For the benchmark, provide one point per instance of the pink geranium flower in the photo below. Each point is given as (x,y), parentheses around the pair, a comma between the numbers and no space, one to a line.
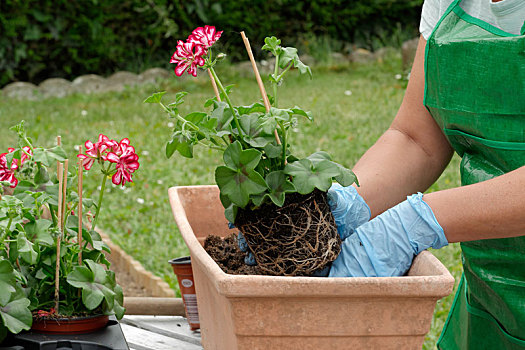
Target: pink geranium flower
(205,36)
(97,150)
(188,56)
(7,173)
(126,161)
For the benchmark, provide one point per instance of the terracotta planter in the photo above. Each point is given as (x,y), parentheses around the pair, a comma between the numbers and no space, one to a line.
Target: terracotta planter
(183,270)
(267,312)
(78,325)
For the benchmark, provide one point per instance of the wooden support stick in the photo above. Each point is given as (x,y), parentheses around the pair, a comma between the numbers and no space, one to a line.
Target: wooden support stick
(60,173)
(214,84)
(259,81)
(59,143)
(256,71)
(79,210)
(64,193)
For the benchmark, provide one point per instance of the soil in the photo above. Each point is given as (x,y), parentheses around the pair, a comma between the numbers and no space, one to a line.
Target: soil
(228,256)
(298,239)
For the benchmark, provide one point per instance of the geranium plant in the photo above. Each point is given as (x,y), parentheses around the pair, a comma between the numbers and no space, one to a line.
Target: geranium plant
(52,264)
(260,168)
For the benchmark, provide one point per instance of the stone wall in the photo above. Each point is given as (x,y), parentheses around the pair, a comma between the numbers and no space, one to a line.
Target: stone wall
(85,84)
(91,83)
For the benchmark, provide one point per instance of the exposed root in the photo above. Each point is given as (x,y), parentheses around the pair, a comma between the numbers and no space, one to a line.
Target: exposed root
(294,240)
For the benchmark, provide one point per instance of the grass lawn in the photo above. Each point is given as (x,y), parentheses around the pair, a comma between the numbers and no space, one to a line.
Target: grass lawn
(352,106)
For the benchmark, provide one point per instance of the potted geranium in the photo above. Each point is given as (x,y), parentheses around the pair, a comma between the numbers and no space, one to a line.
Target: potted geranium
(260,179)
(274,197)
(53,270)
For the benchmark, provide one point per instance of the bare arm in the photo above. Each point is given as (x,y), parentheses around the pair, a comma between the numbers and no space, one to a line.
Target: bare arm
(412,154)
(489,209)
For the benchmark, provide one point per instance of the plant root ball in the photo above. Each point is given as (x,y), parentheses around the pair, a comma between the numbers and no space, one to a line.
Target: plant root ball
(296,239)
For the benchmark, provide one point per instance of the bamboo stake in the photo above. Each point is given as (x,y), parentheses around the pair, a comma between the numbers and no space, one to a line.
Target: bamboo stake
(80,189)
(59,143)
(60,173)
(64,193)
(214,84)
(256,71)
(259,81)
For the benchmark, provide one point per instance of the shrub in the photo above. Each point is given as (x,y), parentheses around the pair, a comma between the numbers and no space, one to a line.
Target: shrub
(60,38)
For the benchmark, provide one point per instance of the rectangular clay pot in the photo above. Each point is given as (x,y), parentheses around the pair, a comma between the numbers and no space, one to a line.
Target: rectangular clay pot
(268,312)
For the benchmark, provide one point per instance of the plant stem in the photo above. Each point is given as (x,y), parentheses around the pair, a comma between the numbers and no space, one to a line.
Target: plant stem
(9,224)
(219,84)
(211,146)
(102,190)
(53,216)
(281,76)
(274,84)
(281,126)
(182,120)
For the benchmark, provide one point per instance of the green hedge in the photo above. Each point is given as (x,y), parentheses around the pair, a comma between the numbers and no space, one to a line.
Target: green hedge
(62,38)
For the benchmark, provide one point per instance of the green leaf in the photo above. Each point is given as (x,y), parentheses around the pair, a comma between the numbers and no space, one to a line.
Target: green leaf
(346,176)
(273,151)
(155,98)
(230,209)
(7,281)
(281,114)
(279,185)
(178,101)
(238,185)
(48,156)
(179,143)
(230,213)
(16,315)
(299,111)
(272,44)
(93,238)
(41,176)
(39,229)
(288,55)
(257,107)
(26,249)
(238,159)
(223,115)
(319,156)
(195,117)
(94,283)
(253,131)
(307,177)
(268,123)
(118,302)
(303,68)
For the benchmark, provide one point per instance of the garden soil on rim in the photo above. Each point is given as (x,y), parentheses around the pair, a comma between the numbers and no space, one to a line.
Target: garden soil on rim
(298,239)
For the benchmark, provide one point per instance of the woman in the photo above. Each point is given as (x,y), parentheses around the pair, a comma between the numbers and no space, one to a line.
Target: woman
(466,94)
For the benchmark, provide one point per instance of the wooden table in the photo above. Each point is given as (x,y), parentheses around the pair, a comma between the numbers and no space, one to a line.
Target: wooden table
(159,333)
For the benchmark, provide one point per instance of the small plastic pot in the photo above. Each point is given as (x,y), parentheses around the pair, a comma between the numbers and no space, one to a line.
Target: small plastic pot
(77,325)
(182,268)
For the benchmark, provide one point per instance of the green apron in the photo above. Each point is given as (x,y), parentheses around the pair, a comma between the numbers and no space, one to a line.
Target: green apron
(475,90)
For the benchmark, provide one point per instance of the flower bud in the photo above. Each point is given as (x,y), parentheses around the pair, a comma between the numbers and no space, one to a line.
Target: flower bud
(221,56)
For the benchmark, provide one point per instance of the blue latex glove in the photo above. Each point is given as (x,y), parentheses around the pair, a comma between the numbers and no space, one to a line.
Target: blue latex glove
(348,208)
(386,245)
